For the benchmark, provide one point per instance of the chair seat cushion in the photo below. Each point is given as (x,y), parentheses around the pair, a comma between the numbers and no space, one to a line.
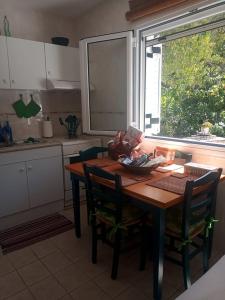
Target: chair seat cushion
(130,214)
(174,223)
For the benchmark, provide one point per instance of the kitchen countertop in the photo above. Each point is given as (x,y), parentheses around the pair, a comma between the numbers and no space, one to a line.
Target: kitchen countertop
(46,142)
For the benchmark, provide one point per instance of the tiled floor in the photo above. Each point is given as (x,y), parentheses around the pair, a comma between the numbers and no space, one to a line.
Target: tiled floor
(60,268)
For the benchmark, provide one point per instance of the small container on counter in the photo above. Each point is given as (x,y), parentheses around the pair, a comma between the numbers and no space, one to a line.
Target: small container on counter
(47,130)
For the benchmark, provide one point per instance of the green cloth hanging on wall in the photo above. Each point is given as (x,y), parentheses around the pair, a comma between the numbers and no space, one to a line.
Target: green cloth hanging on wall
(32,108)
(26,111)
(20,108)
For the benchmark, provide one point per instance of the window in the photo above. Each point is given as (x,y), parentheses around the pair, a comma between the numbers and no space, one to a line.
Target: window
(182,80)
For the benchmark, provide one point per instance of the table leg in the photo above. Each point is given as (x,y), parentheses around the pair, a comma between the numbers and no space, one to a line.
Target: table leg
(76,204)
(158,255)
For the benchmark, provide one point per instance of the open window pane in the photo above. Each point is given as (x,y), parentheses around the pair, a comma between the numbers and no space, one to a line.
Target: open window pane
(106,83)
(184,82)
(107,93)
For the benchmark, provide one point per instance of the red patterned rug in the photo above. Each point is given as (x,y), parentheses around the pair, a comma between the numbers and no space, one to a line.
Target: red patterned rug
(34,231)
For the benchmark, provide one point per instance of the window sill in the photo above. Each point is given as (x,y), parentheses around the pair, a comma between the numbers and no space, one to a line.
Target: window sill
(189,143)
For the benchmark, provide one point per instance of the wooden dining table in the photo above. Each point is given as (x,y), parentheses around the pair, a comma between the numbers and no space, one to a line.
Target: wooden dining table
(140,190)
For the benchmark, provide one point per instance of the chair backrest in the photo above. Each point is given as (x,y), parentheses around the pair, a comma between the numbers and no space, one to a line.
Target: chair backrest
(200,200)
(109,200)
(91,153)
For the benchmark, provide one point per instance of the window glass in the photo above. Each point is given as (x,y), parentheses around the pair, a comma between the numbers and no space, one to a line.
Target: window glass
(184,76)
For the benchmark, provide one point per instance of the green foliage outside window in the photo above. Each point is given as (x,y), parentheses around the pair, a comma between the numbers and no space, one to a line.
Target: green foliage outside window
(193,84)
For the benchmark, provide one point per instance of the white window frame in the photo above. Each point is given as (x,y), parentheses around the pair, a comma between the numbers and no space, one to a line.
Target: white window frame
(145,31)
(85,79)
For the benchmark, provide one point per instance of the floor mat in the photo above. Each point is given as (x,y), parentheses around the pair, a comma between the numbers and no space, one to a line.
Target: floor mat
(34,231)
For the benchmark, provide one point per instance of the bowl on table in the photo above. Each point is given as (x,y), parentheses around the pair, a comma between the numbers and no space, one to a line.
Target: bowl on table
(144,167)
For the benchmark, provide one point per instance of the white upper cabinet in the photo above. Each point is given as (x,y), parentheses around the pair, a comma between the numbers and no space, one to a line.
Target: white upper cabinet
(62,63)
(4,67)
(26,64)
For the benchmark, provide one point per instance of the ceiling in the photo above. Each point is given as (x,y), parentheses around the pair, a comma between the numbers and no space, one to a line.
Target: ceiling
(66,8)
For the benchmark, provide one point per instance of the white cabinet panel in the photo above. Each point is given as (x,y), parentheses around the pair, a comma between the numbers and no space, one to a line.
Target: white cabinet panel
(45,180)
(26,64)
(13,189)
(4,66)
(62,63)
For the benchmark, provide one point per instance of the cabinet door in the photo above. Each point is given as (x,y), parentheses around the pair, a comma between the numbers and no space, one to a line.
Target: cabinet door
(62,63)
(13,189)
(4,66)
(45,180)
(26,64)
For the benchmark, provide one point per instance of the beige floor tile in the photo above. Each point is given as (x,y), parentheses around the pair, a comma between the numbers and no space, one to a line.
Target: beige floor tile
(5,266)
(143,282)
(43,248)
(10,285)
(176,294)
(22,257)
(47,289)
(109,286)
(88,291)
(72,277)
(68,213)
(65,240)
(91,269)
(66,297)
(132,294)
(173,274)
(33,273)
(24,295)
(56,261)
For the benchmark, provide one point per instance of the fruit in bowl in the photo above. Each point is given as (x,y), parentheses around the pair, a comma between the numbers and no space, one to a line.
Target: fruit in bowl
(142,165)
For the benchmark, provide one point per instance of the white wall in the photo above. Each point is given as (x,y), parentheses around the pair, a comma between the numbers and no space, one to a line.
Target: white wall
(37,26)
(109,17)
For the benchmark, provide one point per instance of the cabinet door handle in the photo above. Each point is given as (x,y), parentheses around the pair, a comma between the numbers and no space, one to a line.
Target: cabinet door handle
(21,170)
(49,72)
(4,81)
(13,81)
(29,168)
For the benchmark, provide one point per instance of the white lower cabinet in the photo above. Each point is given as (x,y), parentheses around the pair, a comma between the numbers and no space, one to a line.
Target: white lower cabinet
(13,189)
(45,180)
(29,179)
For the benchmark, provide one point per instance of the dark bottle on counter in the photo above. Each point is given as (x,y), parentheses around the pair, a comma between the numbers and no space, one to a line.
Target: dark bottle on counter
(7,134)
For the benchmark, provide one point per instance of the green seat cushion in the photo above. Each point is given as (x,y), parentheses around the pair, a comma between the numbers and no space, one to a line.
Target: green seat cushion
(130,214)
(174,223)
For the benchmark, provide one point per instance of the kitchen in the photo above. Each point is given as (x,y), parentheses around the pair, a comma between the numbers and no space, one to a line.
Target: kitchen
(38,23)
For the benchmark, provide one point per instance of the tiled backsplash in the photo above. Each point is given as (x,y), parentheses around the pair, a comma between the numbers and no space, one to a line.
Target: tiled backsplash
(54,104)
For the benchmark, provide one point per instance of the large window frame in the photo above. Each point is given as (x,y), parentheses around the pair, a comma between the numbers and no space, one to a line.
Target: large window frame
(145,31)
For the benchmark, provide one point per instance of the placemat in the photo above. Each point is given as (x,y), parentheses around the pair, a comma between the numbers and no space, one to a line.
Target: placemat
(127,177)
(172,183)
(105,162)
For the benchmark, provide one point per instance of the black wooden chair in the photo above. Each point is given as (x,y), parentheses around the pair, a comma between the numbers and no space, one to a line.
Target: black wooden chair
(189,227)
(111,214)
(90,153)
